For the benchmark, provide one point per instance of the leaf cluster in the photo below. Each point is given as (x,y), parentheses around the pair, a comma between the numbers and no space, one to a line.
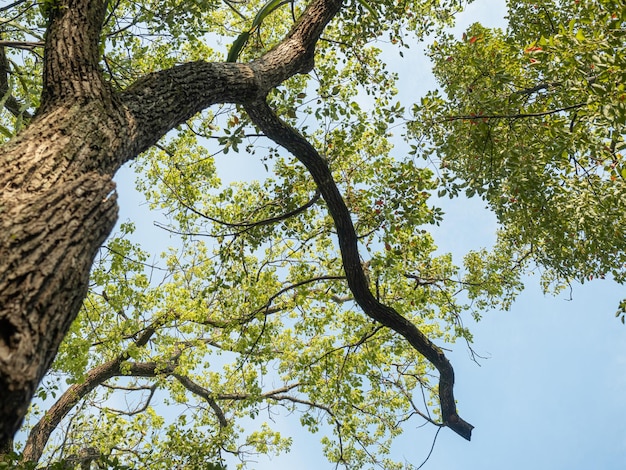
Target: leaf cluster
(532,120)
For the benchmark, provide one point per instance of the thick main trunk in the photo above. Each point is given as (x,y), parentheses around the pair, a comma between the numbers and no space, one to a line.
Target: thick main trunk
(57,206)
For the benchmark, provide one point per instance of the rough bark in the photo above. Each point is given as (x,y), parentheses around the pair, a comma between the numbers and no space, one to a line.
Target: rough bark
(57,205)
(53,219)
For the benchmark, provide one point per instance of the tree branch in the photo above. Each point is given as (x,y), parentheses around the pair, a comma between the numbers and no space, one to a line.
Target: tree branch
(162,100)
(10,103)
(40,433)
(243,224)
(474,117)
(11,5)
(536,88)
(204,393)
(26,45)
(264,118)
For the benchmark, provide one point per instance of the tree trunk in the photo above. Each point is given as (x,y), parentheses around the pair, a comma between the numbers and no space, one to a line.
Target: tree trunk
(57,206)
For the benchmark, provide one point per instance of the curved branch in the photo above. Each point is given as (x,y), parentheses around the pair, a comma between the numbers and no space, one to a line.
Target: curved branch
(140,409)
(26,45)
(474,117)
(11,5)
(204,393)
(246,224)
(264,118)
(10,102)
(295,286)
(40,433)
(269,220)
(269,394)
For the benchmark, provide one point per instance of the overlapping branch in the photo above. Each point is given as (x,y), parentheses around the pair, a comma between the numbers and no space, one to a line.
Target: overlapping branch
(40,433)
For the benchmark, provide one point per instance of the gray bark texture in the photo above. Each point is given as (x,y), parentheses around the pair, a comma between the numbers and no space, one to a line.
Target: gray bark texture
(58,202)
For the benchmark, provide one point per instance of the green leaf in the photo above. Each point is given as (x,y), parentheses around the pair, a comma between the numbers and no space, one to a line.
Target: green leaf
(268,8)
(580,35)
(369,8)
(238,45)
(242,39)
(5,131)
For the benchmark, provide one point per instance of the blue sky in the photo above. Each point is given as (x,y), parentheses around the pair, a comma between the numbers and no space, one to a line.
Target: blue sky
(550,394)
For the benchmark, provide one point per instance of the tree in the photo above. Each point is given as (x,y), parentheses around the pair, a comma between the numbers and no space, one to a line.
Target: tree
(96,109)
(256,282)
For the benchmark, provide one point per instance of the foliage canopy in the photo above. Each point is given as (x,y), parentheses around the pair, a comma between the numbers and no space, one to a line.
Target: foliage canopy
(181,361)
